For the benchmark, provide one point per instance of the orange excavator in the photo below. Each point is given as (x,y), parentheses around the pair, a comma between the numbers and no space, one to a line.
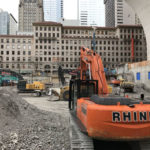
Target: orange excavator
(100,115)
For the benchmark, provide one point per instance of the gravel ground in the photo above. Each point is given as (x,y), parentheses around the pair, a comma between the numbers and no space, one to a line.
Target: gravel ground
(33,123)
(25,127)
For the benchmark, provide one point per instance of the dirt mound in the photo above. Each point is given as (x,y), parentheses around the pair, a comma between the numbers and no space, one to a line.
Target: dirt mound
(24,127)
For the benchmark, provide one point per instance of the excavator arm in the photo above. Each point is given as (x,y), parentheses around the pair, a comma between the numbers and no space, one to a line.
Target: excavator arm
(91,67)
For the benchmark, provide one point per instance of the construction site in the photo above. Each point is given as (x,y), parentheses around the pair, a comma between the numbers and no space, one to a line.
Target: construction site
(76,86)
(83,109)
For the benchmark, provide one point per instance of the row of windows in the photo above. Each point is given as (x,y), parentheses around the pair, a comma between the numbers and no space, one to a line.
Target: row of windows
(78,48)
(15,53)
(131,30)
(13,46)
(51,59)
(47,28)
(15,66)
(47,35)
(89,32)
(17,59)
(15,41)
(90,42)
(118,60)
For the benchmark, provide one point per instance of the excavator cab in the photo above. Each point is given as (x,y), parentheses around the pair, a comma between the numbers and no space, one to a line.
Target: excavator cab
(81,88)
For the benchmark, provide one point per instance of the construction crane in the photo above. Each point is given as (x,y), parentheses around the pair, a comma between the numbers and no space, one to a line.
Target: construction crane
(97,115)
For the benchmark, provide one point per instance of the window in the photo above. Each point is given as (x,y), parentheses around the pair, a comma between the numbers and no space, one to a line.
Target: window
(7,65)
(24,41)
(18,46)
(138,76)
(18,58)
(29,52)
(148,75)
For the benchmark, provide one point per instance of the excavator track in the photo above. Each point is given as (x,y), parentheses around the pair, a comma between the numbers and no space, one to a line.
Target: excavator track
(78,139)
(144,145)
(81,141)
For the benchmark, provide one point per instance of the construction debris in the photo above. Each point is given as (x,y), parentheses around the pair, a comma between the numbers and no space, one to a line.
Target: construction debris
(24,127)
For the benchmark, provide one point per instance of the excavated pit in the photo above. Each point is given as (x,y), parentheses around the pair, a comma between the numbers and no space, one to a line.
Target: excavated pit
(24,127)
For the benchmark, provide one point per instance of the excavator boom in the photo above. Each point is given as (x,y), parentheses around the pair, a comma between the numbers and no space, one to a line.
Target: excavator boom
(91,67)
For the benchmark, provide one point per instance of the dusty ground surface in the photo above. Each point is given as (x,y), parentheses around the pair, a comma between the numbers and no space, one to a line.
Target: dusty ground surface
(25,127)
(48,104)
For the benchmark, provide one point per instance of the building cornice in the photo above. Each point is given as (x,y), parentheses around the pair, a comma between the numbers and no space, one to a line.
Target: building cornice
(47,23)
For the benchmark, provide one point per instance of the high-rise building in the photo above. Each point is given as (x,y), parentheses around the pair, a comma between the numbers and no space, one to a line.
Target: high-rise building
(30,11)
(53,10)
(109,13)
(118,12)
(13,28)
(4,23)
(8,24)
(91,12)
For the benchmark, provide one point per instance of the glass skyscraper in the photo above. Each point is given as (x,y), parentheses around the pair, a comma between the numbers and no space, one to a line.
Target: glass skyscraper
(4,23)
(8,24)
(91,12)
(53,10)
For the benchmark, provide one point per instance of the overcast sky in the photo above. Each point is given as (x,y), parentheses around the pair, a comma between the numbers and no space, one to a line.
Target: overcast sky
(70,11)
(12,7)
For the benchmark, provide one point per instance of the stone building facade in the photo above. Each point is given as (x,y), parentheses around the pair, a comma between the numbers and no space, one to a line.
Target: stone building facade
(16,53)
(30,11)
(54,44)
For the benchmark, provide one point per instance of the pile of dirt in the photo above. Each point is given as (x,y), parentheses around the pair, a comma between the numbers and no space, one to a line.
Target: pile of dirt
(24,127)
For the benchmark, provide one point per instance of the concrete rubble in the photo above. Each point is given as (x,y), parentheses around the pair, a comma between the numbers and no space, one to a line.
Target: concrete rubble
(24,127)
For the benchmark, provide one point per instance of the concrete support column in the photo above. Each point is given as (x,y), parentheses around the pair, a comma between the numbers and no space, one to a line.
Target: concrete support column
(142,8)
